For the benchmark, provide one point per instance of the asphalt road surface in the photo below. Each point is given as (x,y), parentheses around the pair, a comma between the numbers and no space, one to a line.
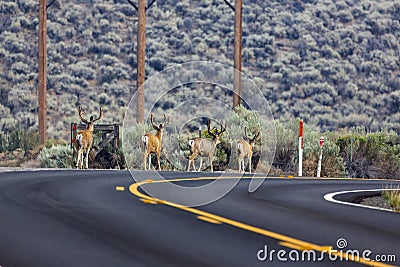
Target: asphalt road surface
(100,218)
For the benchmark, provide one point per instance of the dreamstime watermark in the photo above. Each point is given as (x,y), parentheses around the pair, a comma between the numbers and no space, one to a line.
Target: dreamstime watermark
(329,254)
(188,94)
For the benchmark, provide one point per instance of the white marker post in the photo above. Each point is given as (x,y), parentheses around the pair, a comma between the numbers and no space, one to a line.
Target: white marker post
(301,146)
(321,144)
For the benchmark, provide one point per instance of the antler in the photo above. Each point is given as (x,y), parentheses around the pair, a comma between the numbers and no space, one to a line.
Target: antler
(81,112)
(245,137)
(208,129)
(152,122)
(255,136)
(223,128)
(166,120)
(100,116)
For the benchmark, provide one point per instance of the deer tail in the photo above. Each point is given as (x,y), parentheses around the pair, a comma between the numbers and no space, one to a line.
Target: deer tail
(239,147)
(191,143)
(145,141)
(78,139)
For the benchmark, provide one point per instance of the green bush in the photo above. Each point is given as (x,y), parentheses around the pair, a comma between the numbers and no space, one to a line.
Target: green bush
(132,140)
(331,165)
(372,155)
(8,7)
(286,157)
(59,156)
(286,154)
(17,137)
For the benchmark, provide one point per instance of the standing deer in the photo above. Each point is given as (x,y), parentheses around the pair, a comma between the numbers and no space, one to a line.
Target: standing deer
(152,143)
(84,138)
(204,146)
(245,150)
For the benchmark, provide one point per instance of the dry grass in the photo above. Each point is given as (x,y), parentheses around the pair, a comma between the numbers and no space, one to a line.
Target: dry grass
(392,196)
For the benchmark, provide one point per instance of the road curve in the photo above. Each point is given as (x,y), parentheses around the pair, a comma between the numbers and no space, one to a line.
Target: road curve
(101,218)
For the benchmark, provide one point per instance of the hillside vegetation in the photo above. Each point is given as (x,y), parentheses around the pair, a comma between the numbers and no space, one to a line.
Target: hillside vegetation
(333,63)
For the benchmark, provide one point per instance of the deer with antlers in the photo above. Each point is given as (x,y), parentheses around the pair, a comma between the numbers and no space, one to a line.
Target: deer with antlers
(152,143)
(245,150)
(205,146)
(84,138)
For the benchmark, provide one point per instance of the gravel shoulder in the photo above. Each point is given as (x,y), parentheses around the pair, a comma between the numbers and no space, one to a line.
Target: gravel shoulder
(376,201)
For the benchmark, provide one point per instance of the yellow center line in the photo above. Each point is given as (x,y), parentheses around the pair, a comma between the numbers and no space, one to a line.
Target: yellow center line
(207,219)
(149,201)
(120,188)
(284,239)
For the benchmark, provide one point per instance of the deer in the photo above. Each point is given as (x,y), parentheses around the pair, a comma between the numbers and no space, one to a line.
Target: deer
(245,150)
(204,146)
(153,143)
(84,138)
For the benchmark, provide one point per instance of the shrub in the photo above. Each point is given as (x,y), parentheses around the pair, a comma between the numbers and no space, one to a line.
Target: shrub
(373,155)
(83,70)
(8,7)
(27,5)
(20,68)
(132,144)
(59,156)
(17,137)
(392,195)
(286,147)
(286,155)
(175,152)
(332,164)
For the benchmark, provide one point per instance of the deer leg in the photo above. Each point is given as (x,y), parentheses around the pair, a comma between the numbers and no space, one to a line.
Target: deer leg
(243,169)
(201,164)
(87,158)
(144,160)
(158,159)
(78,159)
(249,165)
(211,162)
(239,165)
(190,163)
(82,158)
(150,163)
(191,160)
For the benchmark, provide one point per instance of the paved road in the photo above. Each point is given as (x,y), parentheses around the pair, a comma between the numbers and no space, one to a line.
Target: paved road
(83,218)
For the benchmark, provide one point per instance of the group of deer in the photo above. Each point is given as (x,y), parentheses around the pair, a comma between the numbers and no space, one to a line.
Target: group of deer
(203,147)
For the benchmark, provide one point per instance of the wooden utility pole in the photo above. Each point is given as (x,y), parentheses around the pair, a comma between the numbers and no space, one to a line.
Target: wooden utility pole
(141,50)
(237,64)
(42,71)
